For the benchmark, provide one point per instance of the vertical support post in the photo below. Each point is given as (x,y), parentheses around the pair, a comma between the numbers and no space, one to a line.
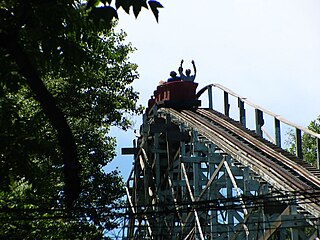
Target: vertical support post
(318,227)
(226,104)
(183,187)
(155,110)
(298,144)
(293,211)
(212,159)
(135,189)
(157,159)
(318,153)
(196,167)
(196,184)
(157,177)
(277,132)
(242,112)
(259,121)
(228,205)
(210,97)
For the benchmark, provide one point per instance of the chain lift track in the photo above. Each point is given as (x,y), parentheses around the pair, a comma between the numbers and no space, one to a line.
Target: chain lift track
(198,174)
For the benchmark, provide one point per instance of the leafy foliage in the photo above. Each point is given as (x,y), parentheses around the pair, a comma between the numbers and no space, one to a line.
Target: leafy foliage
(126,5)
(36,38)
(64,81)
(309,144)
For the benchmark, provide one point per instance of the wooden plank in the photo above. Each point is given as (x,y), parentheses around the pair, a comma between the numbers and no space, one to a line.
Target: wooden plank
(129,151)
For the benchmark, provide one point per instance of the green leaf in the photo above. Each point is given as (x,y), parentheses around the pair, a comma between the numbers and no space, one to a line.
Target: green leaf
(105,13)
(136,9)
(137,5)
(106,1)
(154,5)
(92,3)
(125,4)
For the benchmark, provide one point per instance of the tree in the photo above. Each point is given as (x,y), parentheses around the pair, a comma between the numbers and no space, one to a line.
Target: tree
(102,9)
(64,81)
(36,38)
(309,144)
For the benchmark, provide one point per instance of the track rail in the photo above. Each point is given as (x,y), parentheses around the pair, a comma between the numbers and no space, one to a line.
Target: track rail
(282,170)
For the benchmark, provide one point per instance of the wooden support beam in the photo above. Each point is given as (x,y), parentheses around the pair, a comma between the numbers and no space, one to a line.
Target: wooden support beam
(234,183)
(242,112)
(275,225)
(210,97)
(213,176)
(259,121)
(277,132)
(129,151)
(193,200)
(226,104)
(298,144)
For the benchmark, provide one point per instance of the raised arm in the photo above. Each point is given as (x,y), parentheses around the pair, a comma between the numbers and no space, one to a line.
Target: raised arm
(194,67)
(180,68)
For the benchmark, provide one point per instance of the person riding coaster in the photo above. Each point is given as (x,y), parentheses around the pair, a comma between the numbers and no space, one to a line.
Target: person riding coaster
(188,77)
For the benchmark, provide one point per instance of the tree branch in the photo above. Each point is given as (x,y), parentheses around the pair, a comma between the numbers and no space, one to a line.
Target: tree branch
(53,112)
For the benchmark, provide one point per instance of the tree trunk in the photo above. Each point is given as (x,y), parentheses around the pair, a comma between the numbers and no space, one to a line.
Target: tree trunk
(55,115)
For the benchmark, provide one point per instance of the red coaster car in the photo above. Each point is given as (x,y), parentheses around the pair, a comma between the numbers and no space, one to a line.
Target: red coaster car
(177,95)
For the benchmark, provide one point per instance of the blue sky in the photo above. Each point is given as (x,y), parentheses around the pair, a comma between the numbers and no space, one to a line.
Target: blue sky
(265,50)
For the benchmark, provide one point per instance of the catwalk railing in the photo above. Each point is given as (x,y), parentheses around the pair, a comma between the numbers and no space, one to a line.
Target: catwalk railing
(259,118)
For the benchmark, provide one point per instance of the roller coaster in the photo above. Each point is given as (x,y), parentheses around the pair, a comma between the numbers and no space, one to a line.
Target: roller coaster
(200,174)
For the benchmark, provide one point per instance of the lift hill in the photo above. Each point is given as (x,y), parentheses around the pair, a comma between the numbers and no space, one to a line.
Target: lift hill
(199,174)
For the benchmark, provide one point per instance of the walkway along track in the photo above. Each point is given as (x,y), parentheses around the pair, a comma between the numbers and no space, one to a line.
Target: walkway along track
(279,168)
